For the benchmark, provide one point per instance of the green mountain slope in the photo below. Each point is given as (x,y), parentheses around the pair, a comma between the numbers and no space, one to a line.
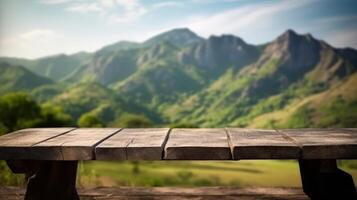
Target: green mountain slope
(17,78)
(179,77)
(292,66)
(58,67)
(167,73)
(88,97)
(336,107)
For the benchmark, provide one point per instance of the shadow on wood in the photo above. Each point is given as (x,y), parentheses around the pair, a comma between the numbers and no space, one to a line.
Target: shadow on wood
(322,179)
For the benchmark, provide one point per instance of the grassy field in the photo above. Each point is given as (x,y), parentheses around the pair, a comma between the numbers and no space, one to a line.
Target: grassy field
(260,173)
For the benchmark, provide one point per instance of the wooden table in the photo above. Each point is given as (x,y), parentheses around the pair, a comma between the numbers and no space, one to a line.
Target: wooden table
(49,156)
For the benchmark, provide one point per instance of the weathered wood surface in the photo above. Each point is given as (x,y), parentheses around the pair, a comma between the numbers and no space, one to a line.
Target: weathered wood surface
(261,144)
(198,144)
(325,143)
(16,145)
(179,144)
(175,193)
(74,145)
(134,144)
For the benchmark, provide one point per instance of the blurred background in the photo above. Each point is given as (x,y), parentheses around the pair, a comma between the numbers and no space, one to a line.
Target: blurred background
(189,63)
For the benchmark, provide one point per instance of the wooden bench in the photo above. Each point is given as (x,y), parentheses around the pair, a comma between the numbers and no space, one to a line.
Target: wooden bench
(49,156)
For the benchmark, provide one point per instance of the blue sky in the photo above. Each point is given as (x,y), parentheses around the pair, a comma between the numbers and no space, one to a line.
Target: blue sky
(35,28)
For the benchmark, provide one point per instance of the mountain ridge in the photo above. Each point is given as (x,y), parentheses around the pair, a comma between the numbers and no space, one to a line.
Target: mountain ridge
(218,81)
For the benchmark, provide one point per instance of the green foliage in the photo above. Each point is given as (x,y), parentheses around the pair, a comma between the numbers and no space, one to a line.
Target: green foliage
(301,118)
(46,92)
(136,169)
(157,84)
(268,68)
(183,125)
(53,117)
(338,113)
(184,176)
(89,120)
(132,121)
(86,97)
(18,110)
(8,178)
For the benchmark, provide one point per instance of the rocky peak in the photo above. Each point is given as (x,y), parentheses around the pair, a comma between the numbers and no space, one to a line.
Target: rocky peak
(179,37)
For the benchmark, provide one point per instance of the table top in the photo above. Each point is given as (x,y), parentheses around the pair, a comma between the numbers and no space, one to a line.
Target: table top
(177,144)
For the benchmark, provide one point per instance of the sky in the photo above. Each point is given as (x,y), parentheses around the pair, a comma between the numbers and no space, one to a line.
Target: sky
(37,28)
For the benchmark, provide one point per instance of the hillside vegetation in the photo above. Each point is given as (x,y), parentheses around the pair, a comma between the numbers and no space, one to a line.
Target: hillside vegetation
(177,77)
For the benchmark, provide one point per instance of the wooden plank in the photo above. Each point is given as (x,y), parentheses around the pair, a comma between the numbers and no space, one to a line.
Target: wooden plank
(198,144)
(261,144)
(75,145)
(134,144)
(16,145)
(325,143)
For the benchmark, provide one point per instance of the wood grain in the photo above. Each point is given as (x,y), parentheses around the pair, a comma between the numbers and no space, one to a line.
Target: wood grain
(182,144)
(17,145)
(325,143)
(261,144)
(75,145)
(134,144)
(198,144)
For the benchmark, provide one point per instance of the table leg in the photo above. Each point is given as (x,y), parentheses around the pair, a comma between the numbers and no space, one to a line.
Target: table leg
(55,180)
(321,179)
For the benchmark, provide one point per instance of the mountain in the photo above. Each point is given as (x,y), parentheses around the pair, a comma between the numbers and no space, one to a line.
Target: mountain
(179,37)
(57,67)
(17,78)
(107,68)
(217,53)
(168,72)
(291,67)
(295,80)
(121,45)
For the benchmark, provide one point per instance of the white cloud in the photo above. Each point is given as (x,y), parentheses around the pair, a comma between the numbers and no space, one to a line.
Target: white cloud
(343,38)
(250,17)
(212,1)
(167,4)
(115,11)
(108,3)
(132,10)
(86,8)
(42,34)
(339,31)
(55,1)
(28,43)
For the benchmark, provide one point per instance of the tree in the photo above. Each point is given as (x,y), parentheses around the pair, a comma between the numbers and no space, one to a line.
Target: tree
(18,110)
(89,120)
(135,121)
(53,117)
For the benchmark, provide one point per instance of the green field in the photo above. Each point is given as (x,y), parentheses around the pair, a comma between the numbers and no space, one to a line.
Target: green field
(247,173)
(267,173)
